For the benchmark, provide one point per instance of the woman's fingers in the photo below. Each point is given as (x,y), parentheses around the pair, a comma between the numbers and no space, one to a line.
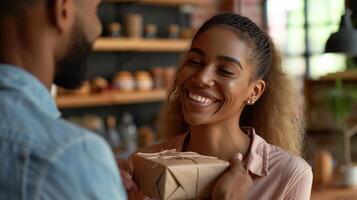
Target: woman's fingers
(125,174)
(236,162)
(128,182)
(235,183)
(137,195)
(123,164)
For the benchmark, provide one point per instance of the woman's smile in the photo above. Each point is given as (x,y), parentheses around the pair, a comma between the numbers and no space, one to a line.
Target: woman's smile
(198,99)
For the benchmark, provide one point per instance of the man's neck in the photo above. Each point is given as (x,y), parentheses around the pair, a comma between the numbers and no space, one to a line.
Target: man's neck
(25,47)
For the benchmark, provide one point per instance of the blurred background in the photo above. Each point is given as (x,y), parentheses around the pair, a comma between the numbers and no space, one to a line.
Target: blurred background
(143,40)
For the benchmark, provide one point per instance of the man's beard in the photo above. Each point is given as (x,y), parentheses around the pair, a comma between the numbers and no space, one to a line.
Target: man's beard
(71,69)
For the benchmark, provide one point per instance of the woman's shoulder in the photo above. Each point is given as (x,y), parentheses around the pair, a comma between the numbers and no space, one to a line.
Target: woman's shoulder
(276,158)
(292,170)
(292,164)
(288,157)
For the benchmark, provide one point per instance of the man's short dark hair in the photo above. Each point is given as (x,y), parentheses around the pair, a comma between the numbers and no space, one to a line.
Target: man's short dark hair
(16,7)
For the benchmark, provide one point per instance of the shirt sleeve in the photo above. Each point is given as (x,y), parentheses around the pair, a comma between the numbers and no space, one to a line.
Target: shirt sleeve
(301,189)
(84,170)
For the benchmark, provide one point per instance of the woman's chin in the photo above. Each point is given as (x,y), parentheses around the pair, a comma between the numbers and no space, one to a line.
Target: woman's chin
(195,120)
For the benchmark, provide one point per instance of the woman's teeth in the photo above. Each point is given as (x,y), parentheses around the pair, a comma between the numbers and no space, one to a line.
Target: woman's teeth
(200,99)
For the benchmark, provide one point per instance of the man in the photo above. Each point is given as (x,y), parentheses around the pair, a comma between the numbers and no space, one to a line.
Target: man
(43,156)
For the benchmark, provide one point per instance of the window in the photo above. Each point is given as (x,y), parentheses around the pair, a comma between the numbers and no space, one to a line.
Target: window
(286,23)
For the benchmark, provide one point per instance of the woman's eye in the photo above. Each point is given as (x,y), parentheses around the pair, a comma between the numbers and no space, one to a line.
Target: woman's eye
(194,62)
(225,72)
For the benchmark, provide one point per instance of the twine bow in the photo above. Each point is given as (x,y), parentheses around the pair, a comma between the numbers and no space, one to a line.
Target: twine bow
(173,154)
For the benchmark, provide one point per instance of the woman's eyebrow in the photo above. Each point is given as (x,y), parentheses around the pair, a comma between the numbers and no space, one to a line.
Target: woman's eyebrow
(197,50)
(230,59)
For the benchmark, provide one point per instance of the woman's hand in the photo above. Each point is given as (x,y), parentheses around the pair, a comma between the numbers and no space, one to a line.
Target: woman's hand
(131,188)
(234,184)
(126,175)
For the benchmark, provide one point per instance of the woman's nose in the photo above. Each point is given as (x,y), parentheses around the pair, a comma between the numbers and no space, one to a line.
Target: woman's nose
(204,77)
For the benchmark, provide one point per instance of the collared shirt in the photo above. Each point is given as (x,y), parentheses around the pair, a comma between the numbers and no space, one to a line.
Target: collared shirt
(43,156)
(277,174)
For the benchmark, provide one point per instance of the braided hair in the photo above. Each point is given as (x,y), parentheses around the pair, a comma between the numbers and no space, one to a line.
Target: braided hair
(276,115)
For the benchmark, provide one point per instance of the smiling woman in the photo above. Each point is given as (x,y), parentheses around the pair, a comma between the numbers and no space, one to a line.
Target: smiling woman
(230,96)
(243,58)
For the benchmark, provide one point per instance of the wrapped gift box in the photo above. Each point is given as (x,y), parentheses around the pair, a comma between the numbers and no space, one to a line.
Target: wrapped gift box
(177,175)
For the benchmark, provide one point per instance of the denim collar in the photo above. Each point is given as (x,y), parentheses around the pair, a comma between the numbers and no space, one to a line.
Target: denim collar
(16,78)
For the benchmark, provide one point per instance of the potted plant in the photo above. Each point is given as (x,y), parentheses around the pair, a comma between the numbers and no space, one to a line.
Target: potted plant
(341,99)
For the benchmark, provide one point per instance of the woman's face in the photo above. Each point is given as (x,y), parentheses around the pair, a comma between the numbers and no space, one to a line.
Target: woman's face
(215,78)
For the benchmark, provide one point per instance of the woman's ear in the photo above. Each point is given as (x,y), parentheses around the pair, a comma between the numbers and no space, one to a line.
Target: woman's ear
(256,91)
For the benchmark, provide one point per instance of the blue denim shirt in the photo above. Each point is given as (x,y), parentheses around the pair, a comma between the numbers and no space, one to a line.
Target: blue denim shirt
(43,156)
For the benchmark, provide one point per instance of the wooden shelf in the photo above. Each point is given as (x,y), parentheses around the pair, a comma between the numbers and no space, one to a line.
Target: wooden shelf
(141,45)
(348,75)
(110,98)
(334,193)
(167,2)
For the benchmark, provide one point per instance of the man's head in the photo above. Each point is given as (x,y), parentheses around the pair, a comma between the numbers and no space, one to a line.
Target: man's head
(16,7)
(72,25)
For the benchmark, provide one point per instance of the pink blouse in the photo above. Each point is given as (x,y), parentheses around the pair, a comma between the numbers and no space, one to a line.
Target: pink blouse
(278,174)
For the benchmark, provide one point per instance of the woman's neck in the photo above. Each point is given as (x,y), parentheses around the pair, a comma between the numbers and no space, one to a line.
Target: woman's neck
(219,141)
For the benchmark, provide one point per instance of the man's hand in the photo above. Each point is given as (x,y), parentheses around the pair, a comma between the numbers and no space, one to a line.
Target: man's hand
(234,184)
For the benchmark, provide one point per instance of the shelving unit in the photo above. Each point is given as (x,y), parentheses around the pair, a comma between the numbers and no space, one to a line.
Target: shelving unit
(318,101)
(112,55)
(349,75)
(331,193)
(141,45)
(167,2)
(110,98)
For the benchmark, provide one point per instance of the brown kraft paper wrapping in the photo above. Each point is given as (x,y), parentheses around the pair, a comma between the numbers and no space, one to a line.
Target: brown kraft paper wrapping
(177,175)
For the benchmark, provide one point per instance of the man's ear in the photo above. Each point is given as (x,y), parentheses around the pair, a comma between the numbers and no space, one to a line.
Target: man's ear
(256,91)
(62,14)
